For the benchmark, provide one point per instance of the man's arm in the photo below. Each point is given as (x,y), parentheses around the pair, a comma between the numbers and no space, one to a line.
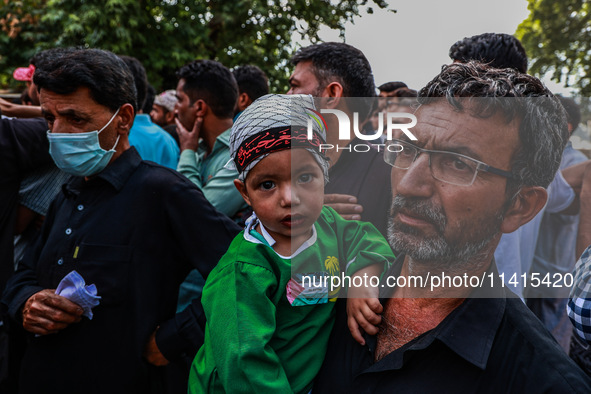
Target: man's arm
(19,111)
(584,232)
(576,176)
(203,235)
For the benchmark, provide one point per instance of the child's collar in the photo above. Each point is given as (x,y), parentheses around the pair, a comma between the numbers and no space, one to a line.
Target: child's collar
(251,235)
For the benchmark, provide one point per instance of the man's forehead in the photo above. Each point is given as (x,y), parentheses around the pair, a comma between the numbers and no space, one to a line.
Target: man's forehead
(79,101)
(442,117)
(304,70)
(441,127)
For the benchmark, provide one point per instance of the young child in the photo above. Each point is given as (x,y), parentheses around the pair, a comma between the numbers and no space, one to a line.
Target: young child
(267,326)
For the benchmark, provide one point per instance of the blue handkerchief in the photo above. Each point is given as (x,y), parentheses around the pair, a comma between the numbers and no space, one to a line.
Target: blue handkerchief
(73,287)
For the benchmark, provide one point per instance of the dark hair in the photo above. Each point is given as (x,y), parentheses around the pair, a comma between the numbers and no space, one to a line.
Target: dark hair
(252,81)
(498,50)
(40,58)
(391,86)
(211,82)
(405,92)
(140,78)
(542,122)
(573,111)
(340,62)
(150,96)
(106,76)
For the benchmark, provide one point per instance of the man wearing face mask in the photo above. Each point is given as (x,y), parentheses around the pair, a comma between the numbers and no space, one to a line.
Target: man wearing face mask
(134,229)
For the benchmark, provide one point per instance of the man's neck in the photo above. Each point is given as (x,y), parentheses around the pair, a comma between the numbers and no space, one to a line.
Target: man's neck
(429,296)
(404,319)
(212,130)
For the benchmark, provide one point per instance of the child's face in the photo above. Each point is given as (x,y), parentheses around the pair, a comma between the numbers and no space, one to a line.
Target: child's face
(286,191)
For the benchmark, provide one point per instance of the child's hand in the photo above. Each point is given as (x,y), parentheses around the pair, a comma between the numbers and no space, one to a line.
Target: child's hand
(363,312)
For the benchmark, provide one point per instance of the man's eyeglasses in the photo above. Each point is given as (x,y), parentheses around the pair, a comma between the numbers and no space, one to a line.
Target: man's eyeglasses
(445,166)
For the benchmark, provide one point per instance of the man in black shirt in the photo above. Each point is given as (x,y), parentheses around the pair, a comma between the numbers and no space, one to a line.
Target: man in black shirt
(478,169)
(358,185)
(132,228)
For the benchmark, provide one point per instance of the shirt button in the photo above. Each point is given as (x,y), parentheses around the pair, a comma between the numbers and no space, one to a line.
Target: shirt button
(68,231)
(60,261)
(80,207)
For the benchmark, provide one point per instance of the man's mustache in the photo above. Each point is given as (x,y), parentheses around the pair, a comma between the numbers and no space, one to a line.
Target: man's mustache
(421,209)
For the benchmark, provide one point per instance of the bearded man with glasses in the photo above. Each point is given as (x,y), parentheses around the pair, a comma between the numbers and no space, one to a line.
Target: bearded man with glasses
(488,144)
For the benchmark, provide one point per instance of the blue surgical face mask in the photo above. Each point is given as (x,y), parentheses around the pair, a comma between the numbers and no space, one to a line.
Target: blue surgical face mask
(80,153)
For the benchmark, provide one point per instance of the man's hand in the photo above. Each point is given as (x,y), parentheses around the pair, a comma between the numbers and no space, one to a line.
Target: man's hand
(346,205)
(189,139)
(47,313)
(152,353)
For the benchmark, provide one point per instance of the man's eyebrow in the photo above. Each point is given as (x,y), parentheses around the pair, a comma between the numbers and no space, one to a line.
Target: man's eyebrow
(461,149)
(72,112)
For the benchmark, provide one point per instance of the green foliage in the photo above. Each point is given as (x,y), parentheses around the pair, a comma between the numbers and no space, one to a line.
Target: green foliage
(166,34)
(557,38)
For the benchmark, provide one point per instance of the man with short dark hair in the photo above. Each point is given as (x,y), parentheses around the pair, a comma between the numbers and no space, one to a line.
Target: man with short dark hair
(252,84)
(387,89)
(498,50)
(132,228)
(478,168)
(358,186)
(207,94)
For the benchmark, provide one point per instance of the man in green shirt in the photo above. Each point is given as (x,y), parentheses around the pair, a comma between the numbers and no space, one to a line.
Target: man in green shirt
(207,94)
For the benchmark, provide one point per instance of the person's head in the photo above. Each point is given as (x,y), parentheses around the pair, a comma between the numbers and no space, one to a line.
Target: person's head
(25,99)
(498,50)
(281,172)
(206,88)
(252,84)
(509,132)
(573,112)
(333,69)
(163,108)
(140,79)
(387,89)
(81,92)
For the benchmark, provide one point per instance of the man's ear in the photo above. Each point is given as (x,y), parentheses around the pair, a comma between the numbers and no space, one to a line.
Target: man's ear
(169,117)
(244,101)
(529,201)
(201,108)
(124,119)
(242,189)
(332,93)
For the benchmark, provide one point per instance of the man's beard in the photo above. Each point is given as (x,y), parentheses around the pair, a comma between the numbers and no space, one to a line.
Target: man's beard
(452,256)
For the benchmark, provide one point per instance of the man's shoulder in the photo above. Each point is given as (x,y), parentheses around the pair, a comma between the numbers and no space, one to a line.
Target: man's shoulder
(153,175)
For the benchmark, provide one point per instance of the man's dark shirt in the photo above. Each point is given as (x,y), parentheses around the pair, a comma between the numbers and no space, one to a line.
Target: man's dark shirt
(486,345)
(134,230)
(366,176)
(23,147)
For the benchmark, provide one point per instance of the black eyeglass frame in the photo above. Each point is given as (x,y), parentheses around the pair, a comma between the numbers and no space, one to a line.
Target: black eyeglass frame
(481,166)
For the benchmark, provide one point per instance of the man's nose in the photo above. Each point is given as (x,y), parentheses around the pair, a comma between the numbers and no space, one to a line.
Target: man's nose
(416,181)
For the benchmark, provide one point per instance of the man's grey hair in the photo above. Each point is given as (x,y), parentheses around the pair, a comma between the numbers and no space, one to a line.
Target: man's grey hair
(483,90)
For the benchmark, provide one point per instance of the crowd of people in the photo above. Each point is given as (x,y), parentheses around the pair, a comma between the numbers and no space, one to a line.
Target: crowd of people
(213,237)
